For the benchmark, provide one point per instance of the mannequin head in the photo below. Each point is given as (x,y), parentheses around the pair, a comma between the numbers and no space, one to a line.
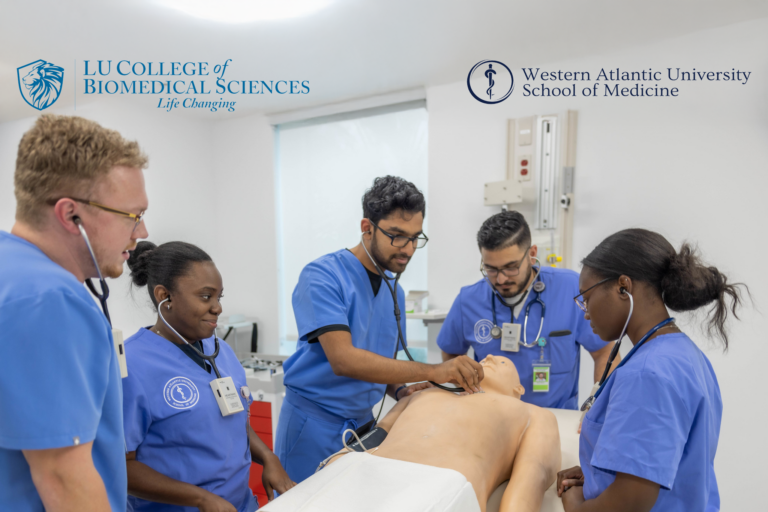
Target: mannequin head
(501,377)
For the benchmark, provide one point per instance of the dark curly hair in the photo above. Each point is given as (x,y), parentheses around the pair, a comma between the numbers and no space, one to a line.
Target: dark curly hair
(684,282)
(389,194)
(504,230)
(152,265)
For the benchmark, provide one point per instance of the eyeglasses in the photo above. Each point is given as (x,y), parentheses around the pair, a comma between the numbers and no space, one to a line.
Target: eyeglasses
(508,271)
(136,217)
(583,303)
(400,241)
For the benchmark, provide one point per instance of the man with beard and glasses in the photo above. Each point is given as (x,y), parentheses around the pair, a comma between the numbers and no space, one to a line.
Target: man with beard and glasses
(489,316)
(348,334)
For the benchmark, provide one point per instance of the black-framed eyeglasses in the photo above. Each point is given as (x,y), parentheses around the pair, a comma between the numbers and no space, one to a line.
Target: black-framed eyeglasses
(583,303)
(400,241)
(492,272)
(137,217)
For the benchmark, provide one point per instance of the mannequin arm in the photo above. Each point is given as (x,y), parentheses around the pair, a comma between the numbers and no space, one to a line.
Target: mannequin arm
(536,464)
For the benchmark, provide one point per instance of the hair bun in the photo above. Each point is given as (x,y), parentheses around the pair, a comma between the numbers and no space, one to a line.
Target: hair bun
(689,284)
(138,262)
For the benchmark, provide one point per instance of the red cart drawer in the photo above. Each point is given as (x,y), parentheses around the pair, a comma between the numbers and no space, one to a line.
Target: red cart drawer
(261,409)
(261,425)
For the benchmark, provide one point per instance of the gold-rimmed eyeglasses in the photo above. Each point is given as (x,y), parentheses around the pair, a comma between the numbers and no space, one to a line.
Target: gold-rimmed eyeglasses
(137,217)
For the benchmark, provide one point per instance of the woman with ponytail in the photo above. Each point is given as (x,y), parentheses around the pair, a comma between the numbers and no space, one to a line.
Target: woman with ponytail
(182,453)
(649,438)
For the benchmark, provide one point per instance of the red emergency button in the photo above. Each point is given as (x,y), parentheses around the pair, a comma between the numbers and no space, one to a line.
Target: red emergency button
(523,162)
(524,172)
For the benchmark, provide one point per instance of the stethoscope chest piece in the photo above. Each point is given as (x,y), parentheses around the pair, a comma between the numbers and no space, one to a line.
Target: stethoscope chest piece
(539,286)
(496,332)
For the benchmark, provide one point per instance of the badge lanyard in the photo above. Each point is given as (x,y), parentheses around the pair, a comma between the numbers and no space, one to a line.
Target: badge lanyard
(224,390)
(541,369)
(591,400)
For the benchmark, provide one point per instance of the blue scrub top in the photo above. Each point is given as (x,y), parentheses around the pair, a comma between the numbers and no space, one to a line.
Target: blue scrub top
(174,424)
(470,320)
(657,418)
(336,290)
(61,379)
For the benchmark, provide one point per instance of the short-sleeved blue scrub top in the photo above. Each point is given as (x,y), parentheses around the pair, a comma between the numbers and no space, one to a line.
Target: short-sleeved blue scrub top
(174,424)
(336,290)
(657,418)
(470,320)
(61,379)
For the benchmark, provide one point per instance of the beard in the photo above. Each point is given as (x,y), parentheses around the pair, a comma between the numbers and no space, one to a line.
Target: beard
(386,264)
(518,288)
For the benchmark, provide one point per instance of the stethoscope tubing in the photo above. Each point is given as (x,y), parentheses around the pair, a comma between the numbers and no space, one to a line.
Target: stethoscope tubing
(104,295)
(536,299)
(211,358)
(400,338)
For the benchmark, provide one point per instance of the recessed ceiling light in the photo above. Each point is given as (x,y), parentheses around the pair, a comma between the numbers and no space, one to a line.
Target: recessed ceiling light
(246,11)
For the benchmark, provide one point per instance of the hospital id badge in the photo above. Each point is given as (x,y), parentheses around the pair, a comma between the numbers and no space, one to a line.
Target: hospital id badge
(226,395)
(541,376)
(510,337)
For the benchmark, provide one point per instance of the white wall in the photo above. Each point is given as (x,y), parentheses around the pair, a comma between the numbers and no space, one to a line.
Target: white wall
(210,184)
(245,237)
(692,167)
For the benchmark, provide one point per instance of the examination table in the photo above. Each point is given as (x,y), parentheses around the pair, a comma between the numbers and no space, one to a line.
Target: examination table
(427,490)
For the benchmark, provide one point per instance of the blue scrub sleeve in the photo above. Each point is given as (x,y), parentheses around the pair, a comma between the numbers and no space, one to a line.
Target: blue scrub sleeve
(137,416)
(646,428)
(586,337)
(318,300)
(56,371)
(450,339)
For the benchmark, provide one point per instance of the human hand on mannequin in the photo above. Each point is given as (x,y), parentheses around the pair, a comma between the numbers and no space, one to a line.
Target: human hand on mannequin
(573,498)
(461,371)
(413,388)
(274,478)
(209,502)
(573,477)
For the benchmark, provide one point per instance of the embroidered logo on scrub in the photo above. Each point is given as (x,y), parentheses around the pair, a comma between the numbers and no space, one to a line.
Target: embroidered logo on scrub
(181,393)
(483,331)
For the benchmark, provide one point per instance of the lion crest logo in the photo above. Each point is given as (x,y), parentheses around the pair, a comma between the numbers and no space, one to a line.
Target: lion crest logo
(40,83)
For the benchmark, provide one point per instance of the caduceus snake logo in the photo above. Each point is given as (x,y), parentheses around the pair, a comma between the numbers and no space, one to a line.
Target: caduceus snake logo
(489,75)
(40,83)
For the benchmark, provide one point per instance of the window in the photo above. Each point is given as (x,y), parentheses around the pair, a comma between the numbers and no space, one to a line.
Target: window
(323,170)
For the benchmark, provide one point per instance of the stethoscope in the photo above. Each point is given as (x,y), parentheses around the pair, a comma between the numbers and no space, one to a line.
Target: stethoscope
(211,358)
(538,287)
(104,295)
(601,385)
(400,342)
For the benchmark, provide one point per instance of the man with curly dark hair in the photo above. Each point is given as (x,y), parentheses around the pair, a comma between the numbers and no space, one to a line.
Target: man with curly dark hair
(344,361)
(490,316)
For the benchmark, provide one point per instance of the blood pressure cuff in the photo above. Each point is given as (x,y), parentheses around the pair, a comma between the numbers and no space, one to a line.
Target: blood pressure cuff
(370,440)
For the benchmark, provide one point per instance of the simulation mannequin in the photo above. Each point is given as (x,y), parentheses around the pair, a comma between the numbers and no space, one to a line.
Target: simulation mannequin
(488,437)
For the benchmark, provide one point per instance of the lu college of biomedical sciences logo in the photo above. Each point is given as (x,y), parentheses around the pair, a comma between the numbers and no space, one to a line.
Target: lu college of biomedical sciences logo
(40,83)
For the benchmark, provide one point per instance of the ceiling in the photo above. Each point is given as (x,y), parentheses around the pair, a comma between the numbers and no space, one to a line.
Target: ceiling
(350,49)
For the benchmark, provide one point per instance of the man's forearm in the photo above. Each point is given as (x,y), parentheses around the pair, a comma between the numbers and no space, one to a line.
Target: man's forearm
(367,366)
(448,357)
(67,480)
